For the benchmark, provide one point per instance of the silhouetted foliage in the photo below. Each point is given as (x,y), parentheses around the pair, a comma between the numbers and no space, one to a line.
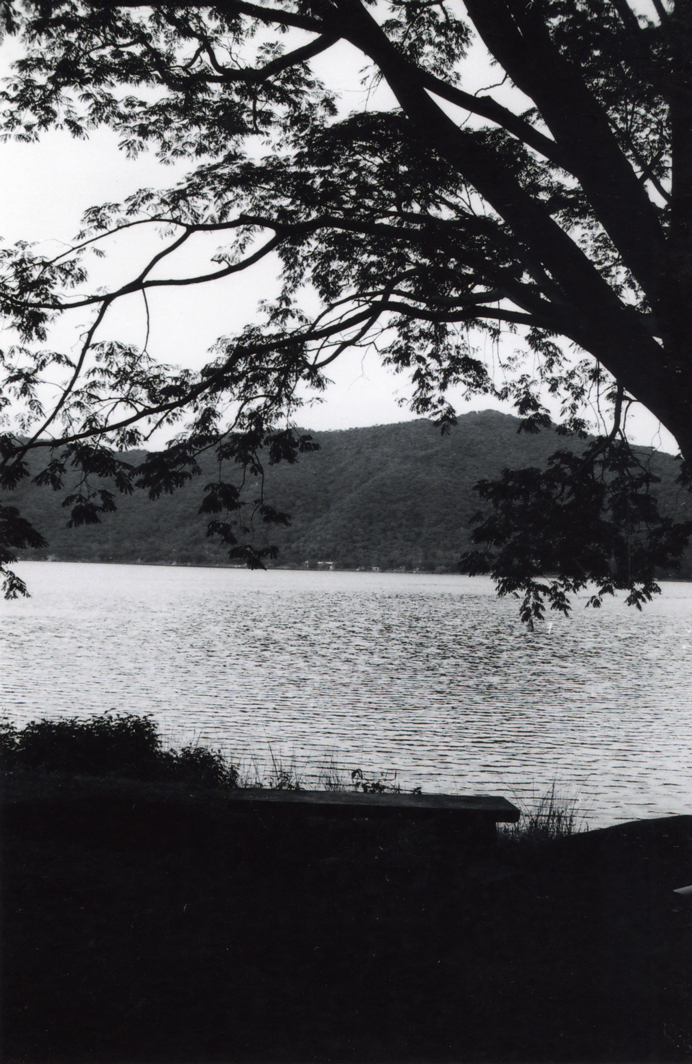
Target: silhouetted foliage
(586,518)
(119,744)
(428,229)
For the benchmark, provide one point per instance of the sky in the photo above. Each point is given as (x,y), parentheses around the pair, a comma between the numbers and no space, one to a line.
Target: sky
(44,189)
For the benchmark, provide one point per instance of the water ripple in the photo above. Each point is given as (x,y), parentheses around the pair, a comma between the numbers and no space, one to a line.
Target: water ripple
(430,676)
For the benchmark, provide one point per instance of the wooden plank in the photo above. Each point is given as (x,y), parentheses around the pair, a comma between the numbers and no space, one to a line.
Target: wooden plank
(490,808)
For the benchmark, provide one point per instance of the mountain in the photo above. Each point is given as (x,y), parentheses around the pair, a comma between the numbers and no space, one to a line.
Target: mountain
(389,496)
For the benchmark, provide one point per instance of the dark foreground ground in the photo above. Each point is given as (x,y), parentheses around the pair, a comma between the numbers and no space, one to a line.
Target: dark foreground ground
(157,927)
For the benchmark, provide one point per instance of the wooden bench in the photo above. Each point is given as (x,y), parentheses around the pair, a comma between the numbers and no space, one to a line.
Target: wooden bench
(472,817)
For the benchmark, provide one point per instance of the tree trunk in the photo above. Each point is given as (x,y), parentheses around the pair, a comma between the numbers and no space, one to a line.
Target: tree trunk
(675,306)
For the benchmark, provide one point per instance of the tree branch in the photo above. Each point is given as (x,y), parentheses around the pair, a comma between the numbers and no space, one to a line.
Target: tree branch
(275,66)
(71,384)
(518,37)
(486,107)
(663,15)
(627,16)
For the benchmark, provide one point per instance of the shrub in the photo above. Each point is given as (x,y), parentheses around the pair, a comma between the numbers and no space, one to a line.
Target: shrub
(119,744)
(100,744)
(199,766)
(9,738)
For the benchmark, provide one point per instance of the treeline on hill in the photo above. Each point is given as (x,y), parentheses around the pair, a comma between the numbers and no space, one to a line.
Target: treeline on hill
(390,496)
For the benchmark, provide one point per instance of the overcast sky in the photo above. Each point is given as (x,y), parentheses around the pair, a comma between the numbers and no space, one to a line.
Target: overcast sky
(44,189)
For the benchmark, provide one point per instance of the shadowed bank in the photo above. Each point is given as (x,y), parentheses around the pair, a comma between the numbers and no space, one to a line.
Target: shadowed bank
(147,922)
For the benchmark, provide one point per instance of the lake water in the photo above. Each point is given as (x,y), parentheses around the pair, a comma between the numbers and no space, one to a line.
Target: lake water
(431,677)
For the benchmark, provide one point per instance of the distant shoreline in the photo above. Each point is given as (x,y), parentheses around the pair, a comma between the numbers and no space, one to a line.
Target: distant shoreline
(318,568)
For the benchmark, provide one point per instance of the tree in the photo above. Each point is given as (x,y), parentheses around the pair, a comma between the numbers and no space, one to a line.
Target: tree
(556,205)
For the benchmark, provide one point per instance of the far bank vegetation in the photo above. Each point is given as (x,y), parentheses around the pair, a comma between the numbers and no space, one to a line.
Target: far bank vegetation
(387,497)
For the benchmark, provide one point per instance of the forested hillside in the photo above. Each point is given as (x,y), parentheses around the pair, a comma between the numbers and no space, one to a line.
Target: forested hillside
(389,496)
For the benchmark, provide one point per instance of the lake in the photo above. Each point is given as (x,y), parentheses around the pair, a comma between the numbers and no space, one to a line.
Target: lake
(429,677)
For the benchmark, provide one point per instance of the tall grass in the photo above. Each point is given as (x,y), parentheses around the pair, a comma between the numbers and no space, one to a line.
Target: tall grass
(334,777)
(128,746)
(549,817)
(281,774)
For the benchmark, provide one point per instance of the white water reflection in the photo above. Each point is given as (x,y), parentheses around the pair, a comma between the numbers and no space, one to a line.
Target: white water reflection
(431,676)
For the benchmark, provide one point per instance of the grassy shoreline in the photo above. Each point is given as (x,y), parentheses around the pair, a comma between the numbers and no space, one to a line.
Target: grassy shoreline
(124,745)
(150,921)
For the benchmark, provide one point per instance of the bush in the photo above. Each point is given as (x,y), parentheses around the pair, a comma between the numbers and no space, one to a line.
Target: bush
(199,766)
(124,745)
(9,737)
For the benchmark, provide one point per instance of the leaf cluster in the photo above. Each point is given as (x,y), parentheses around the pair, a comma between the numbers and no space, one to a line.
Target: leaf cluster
(587,519)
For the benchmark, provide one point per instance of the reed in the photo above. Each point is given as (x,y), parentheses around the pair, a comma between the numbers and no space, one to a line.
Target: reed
(544,819)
